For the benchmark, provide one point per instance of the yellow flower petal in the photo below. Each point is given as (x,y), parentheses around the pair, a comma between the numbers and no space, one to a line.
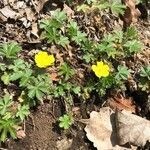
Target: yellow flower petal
(94,68)
(44,60)
(100,64)
(101,69)
(51,59)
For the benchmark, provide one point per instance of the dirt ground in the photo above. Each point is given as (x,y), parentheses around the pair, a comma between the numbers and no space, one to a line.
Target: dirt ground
(41,127)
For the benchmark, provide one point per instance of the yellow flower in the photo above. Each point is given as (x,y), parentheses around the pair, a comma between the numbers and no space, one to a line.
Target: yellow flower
(44,60)
(101,69)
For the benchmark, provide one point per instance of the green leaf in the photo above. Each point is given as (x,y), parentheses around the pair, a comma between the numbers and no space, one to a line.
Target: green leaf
(73,28)
(123,73)
(9,50)
(65,121)
(66,71)
(22,111)
(88,57)
(5,78)
(5,103)
(19,64)
(59,15)
(2,67)
(101,5)
(50,23)
(80,37)
(131,33)
(145,72)
(7,127)
(63,41)
(117,8)
(26,77)
(16,75)
(51,34)
(133,46)
(39,86)
(76,90)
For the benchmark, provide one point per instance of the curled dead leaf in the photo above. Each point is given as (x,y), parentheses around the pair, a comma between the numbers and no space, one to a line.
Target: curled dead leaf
(119,102)
(131,13)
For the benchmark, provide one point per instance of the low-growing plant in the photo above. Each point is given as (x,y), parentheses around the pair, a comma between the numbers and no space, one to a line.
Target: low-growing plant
(144,80)
(32,86)
(65,121)
(114,6)
(11,117)
(66,71)
(9,50)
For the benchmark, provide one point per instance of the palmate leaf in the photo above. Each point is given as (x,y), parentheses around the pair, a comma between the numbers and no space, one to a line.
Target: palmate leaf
(22,112)
(65,121)
(9,50)
(123,73)
(5,78)
(38,87)
(50,23)
(66,71)
(80,37)
(59,15)
(101,5)
(145,72)
(51,34)
(72,28)
(5,103)
(7,127)
(63,41)
(133,46)
(131,33)
(117,8)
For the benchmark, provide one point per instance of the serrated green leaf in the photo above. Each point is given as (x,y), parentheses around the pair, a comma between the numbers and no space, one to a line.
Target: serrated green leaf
(22,112)
(5,78)
(9,50)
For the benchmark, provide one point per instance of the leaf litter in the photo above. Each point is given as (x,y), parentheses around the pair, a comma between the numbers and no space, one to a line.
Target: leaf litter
(109,130)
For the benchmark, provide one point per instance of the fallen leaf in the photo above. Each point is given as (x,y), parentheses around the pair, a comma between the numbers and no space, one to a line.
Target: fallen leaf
(108,129)
(99,129)
(68,11)
(132,128)
(38,4)
(131,13)
(30,14)
(21,134)
(34,30)
(54,76)
(7,12)
(120,102)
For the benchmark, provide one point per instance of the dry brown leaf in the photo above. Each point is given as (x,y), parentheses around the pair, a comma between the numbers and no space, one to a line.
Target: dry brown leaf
(38,4)
(120,102)
(21,134)
(54,76)
(68,11)
(107,129)
(132,128)
(99,129)
(30,14)
(7,12)
(34,30)
(131,13)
